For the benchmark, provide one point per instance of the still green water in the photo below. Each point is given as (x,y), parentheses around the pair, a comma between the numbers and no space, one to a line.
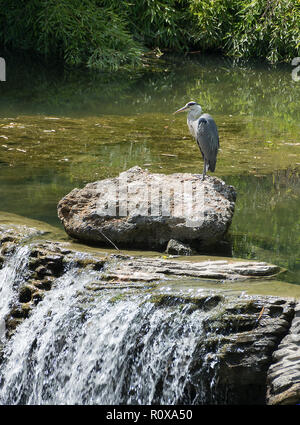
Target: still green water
(61,129)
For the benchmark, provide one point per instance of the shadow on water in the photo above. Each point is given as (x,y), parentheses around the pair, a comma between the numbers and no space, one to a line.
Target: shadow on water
(61,129)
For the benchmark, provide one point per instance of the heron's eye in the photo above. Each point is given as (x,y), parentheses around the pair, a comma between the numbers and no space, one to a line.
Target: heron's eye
(192,103)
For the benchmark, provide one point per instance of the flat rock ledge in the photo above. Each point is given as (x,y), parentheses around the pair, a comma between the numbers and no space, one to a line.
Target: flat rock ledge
(48,260)
(155,269)
(139,209)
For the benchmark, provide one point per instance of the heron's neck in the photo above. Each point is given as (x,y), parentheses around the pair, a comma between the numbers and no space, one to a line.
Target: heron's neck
(194,113)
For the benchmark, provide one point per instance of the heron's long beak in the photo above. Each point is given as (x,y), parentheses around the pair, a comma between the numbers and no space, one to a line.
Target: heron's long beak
(180,110)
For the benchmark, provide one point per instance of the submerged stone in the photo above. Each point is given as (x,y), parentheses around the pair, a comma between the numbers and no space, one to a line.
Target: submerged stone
(178,248)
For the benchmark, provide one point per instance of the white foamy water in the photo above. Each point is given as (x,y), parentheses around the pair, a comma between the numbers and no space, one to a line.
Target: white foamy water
(11,275)
(103,347)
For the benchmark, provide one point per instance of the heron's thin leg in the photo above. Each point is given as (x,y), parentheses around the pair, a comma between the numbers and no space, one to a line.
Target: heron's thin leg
(204,169)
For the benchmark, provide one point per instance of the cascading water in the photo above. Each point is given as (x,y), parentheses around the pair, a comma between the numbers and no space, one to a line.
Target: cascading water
(11,276)
(111,346)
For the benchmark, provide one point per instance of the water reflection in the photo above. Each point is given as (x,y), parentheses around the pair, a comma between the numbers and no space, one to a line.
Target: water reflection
(222,85)
(266,224)
(61,129)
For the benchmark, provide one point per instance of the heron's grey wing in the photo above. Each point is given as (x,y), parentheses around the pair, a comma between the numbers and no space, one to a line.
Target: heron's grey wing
(208,139)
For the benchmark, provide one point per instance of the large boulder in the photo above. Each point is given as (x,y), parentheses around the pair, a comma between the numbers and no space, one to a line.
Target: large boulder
(139,209)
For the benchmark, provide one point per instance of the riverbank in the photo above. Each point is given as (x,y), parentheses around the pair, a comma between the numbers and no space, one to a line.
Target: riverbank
(73,32)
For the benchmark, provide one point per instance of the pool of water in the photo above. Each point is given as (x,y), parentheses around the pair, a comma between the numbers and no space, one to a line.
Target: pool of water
(61,129)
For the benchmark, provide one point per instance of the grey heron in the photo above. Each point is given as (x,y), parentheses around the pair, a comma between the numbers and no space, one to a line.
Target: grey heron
(204,129)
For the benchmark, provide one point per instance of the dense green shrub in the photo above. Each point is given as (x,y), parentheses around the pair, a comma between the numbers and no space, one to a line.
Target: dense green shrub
(156,23)
(109,34)
(269,29)
(79,31)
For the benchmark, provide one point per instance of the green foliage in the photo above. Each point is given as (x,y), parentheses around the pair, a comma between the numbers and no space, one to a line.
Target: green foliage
(156,23)
(78,31)
(214,19)
(109,34)
(269,29)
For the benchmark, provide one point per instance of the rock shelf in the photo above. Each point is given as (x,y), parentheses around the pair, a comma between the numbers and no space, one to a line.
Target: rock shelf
(254,339)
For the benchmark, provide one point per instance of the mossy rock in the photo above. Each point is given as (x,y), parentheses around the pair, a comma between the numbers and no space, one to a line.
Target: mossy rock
(26,292)
(21,311)
(44,284)
(205,302)
(117,298)
(11,324)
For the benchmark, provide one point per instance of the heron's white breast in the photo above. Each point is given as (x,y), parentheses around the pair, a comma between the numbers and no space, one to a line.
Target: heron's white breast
(192,125)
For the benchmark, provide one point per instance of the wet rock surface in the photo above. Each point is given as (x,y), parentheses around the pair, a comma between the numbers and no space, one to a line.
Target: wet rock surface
(250,353)
(140,268)
(48,260)
(138,209)
(241,334)
(284,373)
(178,248)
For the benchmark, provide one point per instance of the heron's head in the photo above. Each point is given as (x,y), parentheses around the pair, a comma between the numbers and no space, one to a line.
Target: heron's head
(190,107)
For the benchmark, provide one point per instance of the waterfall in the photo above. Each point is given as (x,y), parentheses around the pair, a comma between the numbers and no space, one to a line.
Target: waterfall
(11,276)
(106,346)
